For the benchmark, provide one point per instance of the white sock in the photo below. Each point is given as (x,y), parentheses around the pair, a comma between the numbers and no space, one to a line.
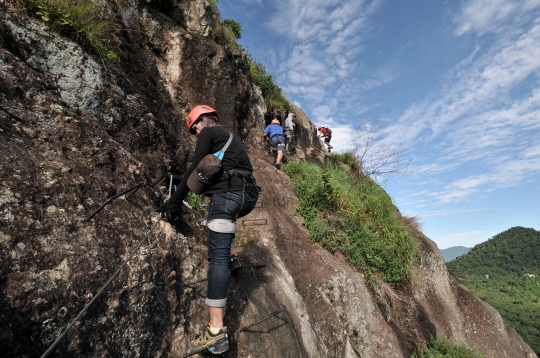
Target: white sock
(214,330)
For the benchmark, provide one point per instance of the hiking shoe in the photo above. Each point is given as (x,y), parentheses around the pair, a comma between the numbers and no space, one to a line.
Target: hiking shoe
(278,166)
(234,263)
(215,343)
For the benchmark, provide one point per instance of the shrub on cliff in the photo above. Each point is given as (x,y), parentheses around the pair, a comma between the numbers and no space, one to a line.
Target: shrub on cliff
(273,95)
(357,218)
(83,20)
(443,348)
(234,26)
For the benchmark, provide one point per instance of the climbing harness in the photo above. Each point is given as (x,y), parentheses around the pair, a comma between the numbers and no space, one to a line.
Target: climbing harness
(223,226)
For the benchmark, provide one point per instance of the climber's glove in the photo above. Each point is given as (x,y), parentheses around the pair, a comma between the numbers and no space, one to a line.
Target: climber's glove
(170,205)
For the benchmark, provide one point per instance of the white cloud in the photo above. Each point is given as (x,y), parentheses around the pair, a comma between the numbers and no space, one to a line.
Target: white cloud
(477,122)
(435,168)
(322,111)
(359,111)
(381,77)
(340,134)
(306,91)
(509,173)
(533,151)
(489,15)
(336,25)
(514,172)
(469,183)
(478,88)
(452,195)
(325,39)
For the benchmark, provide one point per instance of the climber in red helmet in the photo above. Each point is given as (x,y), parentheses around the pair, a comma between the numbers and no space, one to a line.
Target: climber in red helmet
(233,193)
(326,133)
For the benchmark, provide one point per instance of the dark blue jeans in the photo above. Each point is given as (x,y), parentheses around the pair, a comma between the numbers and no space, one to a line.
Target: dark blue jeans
(230,206)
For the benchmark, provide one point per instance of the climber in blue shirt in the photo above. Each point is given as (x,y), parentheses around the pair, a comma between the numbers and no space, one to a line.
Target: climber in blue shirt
(274,131)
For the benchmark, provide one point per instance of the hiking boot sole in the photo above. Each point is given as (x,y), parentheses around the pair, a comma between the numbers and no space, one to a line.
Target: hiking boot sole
(219,348)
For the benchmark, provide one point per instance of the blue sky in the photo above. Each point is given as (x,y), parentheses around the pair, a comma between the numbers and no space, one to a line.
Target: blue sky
(457,83)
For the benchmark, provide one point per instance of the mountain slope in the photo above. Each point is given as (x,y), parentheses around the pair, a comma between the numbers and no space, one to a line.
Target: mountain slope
(504,271)
(452,252)
(76,132)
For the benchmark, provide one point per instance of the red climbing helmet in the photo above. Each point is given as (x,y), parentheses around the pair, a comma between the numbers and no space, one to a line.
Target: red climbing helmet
(196,112)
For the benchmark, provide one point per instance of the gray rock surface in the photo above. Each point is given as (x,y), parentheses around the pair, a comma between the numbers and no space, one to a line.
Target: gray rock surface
(75,132)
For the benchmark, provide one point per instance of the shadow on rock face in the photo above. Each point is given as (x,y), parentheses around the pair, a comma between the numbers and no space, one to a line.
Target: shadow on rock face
(179,223)
(250,301)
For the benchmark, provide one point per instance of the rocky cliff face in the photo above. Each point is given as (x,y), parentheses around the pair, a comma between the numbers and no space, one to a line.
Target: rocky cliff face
(75,132)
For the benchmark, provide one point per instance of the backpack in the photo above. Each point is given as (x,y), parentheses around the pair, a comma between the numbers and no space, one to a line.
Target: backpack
(201,178)
(328,130)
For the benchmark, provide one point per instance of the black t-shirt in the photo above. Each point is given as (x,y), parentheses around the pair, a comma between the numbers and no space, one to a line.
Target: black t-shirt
(211,140)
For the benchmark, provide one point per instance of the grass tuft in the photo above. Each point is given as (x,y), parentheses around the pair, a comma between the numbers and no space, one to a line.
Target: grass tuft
(346,158)
(222,34)
(443,348)
(356,217)
(273,96)
(83,20)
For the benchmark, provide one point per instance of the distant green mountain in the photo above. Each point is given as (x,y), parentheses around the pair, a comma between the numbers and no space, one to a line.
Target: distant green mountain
(452,252)
(505,272)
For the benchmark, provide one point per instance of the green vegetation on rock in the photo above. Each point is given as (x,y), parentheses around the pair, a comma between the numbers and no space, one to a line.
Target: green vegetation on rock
(223,31)
(443,348)
(194,199)
(83,20)
(504,271)
(234,26)
(272,94)
(356,217)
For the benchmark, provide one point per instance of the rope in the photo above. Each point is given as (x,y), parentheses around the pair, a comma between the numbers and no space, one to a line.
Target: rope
(51,348)
(261,320)
(135,188)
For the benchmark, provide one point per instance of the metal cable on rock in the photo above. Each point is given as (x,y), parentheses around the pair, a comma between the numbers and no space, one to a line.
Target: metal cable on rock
(51,348)
(133,190)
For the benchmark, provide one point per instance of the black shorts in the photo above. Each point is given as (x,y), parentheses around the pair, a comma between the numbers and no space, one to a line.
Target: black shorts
(278,143)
